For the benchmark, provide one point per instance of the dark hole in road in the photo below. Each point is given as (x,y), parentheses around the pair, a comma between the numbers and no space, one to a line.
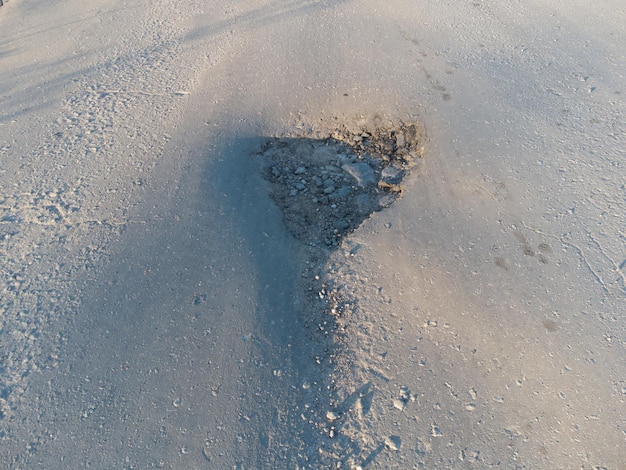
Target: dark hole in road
(326,187)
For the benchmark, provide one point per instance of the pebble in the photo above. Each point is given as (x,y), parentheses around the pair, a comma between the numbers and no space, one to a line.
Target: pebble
(341,224)
(361,172)
(392,175)
(400,141)
(386,200)
(399,404)
(393,442)
(344,191)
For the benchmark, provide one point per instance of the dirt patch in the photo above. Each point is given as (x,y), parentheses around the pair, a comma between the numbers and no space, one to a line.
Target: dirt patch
(326,187)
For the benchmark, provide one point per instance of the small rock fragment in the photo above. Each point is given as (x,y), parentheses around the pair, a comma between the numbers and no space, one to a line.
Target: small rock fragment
(393,442)
(392,175)
(386,200)
(344,191)
(400,142)
(361,172)
(342,224)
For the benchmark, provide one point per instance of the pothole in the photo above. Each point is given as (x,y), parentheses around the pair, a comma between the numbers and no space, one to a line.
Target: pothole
(326,187)
(326,183)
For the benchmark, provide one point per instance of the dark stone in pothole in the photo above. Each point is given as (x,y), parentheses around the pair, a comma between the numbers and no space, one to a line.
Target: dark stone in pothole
(362,173)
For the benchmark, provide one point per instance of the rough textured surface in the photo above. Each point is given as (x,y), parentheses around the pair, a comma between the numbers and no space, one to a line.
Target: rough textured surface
(327,187)
(156,312)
